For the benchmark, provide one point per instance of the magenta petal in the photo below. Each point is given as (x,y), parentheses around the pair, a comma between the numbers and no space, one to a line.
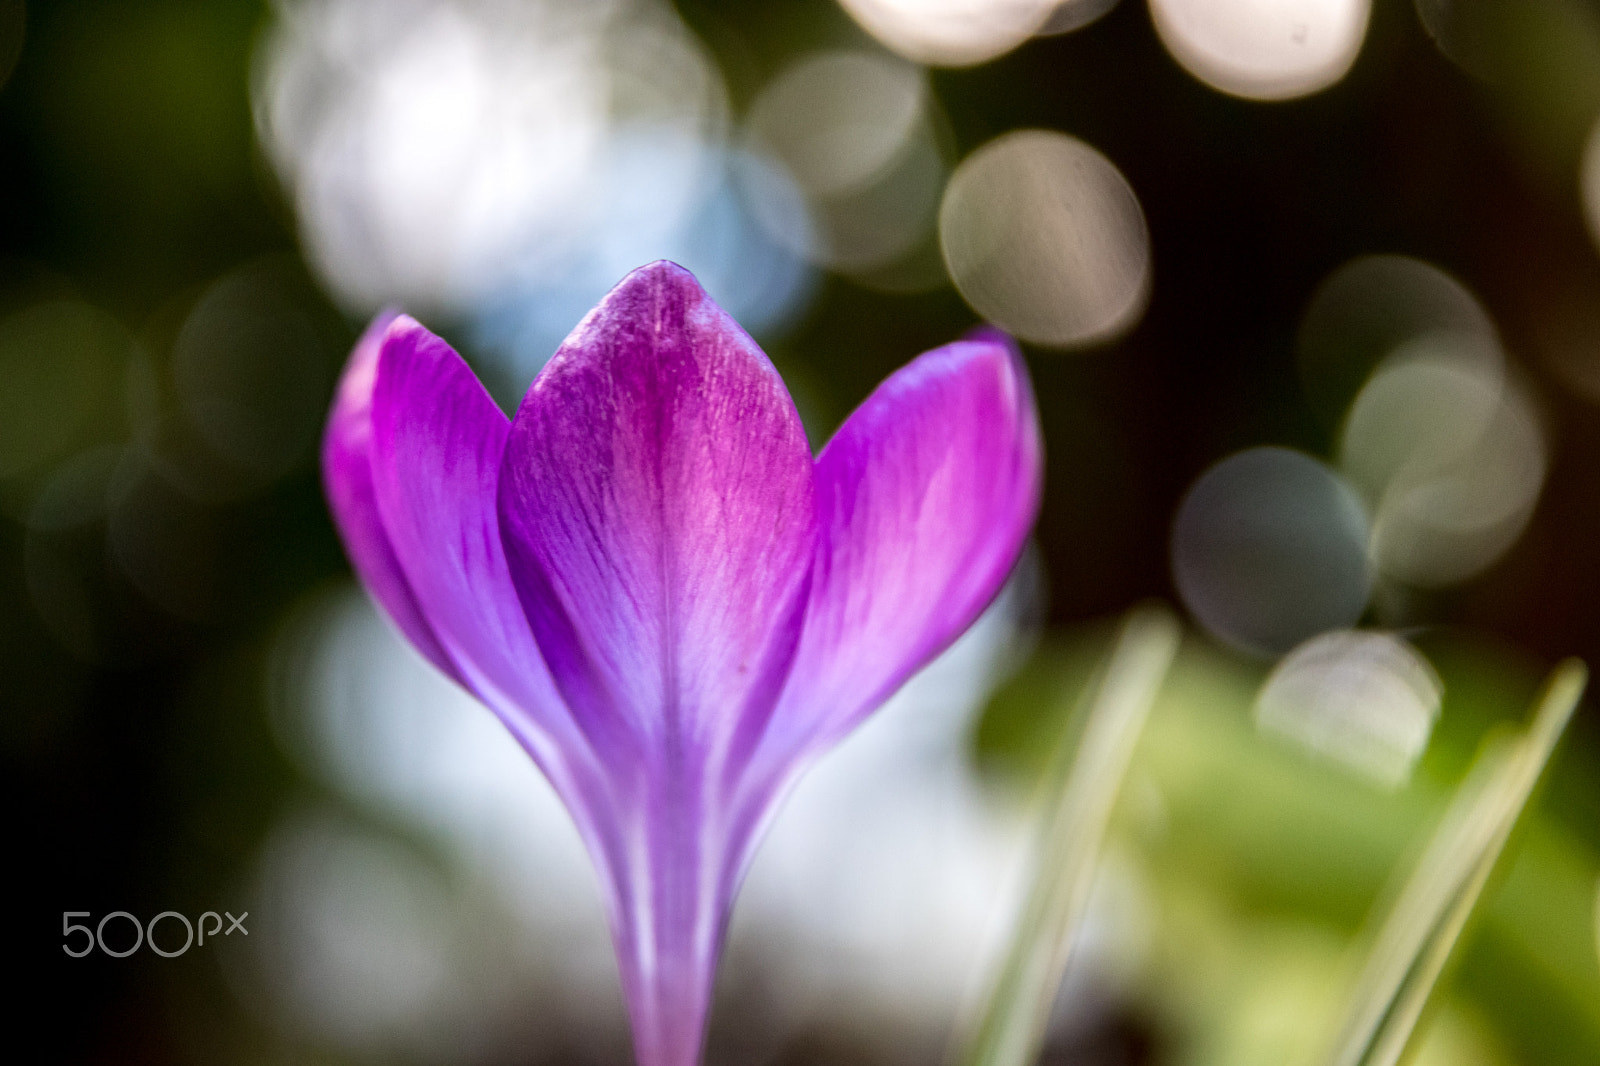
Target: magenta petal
(925,498)
(347,476)
(657,506)
(437,442)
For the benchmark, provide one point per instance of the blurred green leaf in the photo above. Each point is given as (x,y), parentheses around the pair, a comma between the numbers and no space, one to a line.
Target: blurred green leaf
(1423,926)
(1261,863)
(1079,792)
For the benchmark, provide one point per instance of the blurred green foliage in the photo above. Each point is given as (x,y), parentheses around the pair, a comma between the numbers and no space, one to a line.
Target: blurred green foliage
(1266,861)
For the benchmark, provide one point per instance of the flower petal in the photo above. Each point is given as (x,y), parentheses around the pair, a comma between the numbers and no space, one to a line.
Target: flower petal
(657,508)
(347,477)
(656,501)
(413,456)
(437,438)
(925,498)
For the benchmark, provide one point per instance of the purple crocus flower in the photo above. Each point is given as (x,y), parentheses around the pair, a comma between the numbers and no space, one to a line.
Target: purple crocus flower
(651,582)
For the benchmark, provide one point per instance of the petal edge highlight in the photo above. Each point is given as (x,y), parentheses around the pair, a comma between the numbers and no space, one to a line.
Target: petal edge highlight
(347,480)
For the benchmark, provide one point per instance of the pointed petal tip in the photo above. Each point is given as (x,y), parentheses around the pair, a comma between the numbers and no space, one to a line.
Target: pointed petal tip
(652,280)
(649,304)
(995,339)
(405,338)
(352,400)
(661,284)
(640,298)
(383,319)
(983,353)
(354,393)
(1019,383)
(660,270)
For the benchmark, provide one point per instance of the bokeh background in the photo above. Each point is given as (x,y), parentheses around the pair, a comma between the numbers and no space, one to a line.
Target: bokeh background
(1310,293)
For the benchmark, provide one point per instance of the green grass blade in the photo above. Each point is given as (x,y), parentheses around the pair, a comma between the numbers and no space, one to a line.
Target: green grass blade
(1425,922)
(1079,793)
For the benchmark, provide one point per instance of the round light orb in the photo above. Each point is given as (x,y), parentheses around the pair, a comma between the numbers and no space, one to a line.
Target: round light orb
(441,151)
(1590,183)
(838,119)
(1270,548)
(1473,34)
(1369,307)
(1045,238)
(1070,15)
(1366,701)
(251,369)
(950,33)
(64,365)
(853,130)
(1263,49)
(1451,456)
